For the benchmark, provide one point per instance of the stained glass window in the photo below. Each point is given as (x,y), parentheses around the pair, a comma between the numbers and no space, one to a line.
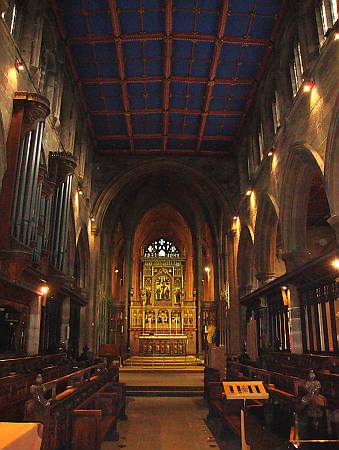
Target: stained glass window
(163,248)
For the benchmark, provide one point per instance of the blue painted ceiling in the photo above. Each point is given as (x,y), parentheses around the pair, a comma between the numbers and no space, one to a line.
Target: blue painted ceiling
(167,76)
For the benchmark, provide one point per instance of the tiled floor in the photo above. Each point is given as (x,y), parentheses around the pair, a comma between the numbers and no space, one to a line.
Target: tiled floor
(167,423)
(170,423)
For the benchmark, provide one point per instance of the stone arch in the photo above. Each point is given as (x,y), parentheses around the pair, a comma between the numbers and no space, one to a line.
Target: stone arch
(205,187)
(332,168)
(246,261)
(81,260)
(266,246)
(303,164)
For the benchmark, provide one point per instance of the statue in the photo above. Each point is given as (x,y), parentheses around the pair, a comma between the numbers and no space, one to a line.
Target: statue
(148,296)
(178,296)
(38,390)
(131,295)
(313,402)
(143,296)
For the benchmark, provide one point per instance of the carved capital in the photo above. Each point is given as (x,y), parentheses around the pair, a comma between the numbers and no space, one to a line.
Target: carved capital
(295,259)
(60,164)
(36,108)
(265,277)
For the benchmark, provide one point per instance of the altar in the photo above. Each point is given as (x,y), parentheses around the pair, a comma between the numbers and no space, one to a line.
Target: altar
(174,345)
(162,313)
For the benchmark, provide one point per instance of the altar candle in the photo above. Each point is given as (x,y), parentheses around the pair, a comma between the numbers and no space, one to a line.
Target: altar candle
(170,324)
(156,324)
(143,321)
(176,325)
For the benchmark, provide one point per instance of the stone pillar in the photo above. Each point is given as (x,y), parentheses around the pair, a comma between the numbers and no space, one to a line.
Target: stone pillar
(127,285)
(92,308)
(33,332)
(200,289)
(65,317)
(295,321)
(83,337)
(334,222)
(234,295)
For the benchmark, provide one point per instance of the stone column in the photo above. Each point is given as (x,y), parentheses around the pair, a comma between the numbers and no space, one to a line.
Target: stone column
(334,222)
(234,295)
(92,307)
(33,332)
(199,287)
(65,318)
(295,321)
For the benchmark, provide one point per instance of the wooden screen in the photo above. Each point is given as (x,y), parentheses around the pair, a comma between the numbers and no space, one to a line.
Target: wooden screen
(320,316)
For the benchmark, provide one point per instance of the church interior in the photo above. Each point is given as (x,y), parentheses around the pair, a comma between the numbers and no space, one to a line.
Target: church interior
(169,224)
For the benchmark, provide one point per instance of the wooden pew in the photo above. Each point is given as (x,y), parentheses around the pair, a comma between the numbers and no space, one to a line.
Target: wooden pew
(210,375)
(94,421)
(66,393)
(119,389)
(30,364)
(14,389)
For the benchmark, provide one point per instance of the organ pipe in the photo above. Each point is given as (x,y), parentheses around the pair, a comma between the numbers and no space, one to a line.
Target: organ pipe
(26,190)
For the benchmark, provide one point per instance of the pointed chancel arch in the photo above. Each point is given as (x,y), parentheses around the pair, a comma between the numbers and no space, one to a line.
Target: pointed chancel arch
(304,207)
(332,169)
(268,260)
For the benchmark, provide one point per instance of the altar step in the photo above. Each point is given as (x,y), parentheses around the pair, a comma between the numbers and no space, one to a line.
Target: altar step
(163,361)
(164,391)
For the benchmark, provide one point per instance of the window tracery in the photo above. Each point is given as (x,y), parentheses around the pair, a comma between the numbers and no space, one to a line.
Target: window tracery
(163,248)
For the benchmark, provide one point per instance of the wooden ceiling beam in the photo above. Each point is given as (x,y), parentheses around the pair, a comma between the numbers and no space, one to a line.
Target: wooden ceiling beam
(193,112)
(111,137)
(194,80)
(121,68)
(223,14)
(194,37)
(167,71)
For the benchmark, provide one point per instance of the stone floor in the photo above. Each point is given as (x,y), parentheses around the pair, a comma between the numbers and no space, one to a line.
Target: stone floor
(167,423)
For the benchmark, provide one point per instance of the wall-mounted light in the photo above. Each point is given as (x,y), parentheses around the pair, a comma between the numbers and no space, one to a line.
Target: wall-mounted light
(3,15)
(235,218)
(92,219)
(116,270)
(284,288)
(308,86)
(207,269)
(335,263)
(19,65)
(80,192)
(336,36)
(270,153)
(44,290)
(249,192)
